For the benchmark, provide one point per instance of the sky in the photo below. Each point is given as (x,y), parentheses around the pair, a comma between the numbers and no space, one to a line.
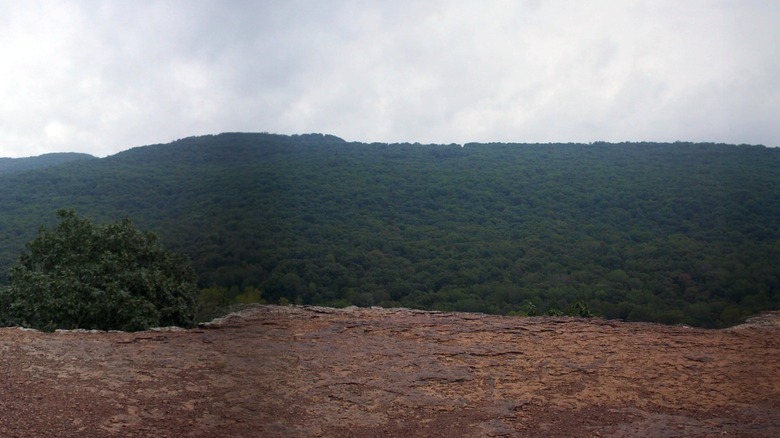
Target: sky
(103,76)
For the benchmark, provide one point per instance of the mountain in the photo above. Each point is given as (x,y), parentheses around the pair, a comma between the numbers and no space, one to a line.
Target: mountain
(674,233)
(12,165)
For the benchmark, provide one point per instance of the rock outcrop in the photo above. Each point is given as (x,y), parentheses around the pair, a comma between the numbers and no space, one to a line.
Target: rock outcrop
(274,371)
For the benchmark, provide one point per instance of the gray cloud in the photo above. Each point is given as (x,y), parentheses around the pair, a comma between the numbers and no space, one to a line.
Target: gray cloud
(100,77)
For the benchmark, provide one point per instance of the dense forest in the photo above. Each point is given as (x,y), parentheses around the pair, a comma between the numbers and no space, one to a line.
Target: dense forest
(13,165)
(674,233)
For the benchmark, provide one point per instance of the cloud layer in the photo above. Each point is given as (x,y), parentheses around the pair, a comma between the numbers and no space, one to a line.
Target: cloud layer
(100,77)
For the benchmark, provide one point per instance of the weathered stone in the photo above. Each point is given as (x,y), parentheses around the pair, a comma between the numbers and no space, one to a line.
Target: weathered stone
(311,371)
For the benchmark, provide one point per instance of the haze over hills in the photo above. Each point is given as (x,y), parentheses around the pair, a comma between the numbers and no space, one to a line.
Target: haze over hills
(675,233)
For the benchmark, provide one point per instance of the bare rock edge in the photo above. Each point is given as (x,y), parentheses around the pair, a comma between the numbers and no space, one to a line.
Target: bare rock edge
(272,371)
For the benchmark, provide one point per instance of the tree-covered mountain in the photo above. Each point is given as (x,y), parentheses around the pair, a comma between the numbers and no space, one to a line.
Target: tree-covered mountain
(676,233)
(11,165)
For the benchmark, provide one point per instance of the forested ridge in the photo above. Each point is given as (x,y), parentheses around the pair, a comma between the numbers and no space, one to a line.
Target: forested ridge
(675,233)
(13,165)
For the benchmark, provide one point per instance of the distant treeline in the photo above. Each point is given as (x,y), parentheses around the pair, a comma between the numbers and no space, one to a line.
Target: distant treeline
(675,233)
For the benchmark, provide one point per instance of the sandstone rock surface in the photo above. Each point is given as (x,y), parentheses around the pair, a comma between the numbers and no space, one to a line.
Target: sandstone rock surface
(271,371)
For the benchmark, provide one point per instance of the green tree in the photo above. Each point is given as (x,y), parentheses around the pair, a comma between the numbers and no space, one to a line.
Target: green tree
(212,302)
(85,275)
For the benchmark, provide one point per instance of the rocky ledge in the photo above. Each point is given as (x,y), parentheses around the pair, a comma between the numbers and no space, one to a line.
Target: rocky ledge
(272,371)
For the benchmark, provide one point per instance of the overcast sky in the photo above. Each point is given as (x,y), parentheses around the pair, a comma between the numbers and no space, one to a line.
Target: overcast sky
(104,76)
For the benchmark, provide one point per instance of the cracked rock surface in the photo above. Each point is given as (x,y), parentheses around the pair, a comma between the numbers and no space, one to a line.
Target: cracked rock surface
(272,371)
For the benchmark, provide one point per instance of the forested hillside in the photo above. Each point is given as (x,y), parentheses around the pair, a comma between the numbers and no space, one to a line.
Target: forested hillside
(676,233)
(11,165)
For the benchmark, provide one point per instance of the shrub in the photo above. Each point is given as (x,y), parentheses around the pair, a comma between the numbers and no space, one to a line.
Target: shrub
(579,309)
(83,275)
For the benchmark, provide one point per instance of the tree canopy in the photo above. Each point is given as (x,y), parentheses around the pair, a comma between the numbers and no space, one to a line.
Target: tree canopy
(668,232)
(90,276)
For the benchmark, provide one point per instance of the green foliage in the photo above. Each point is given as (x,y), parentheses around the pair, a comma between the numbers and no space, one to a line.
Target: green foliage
(674,233)
(13,165)
(579,309)
(250,295)
(218,301)
(83,275)
(212,302)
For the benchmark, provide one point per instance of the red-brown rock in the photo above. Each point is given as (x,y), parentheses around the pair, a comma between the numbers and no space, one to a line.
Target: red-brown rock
(273,371)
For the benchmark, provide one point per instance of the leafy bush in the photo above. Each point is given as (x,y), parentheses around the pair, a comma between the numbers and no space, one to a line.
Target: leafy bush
(83,275)
(554,312)
(214,302)
(579,309)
